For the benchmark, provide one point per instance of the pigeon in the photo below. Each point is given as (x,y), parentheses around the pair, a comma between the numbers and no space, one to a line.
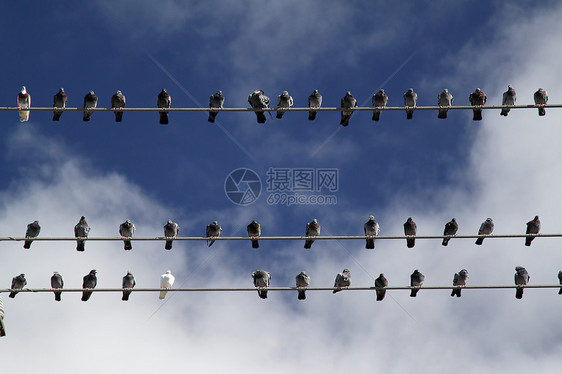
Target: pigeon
(213,231)
(18,282)
(261,281)
(541,98)
(477,99)
(560,280)
(521,279)
(410,229)
(314,101)
(312,229)
(2,327)
(32,231)
(128,284)
(24,101)
(416,280)
(215,101)
(81,230)
(166,281)
(283,101)
(258,100)
(118,101)
(164,101)
(381,281)
(459,279)
(343,280)
(59,101)
(533,227)
(126,230)
(410,100)
(486,228)
(303,280)
(57,283)
(372,229)
(90,101)
(380,99)
(90,282)
(509,98)
(444,100)
(254,231)
(451,229)
(348,101)
(171,230)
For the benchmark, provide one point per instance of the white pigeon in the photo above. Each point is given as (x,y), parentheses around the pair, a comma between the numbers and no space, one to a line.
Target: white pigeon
(166,281)
(24,101)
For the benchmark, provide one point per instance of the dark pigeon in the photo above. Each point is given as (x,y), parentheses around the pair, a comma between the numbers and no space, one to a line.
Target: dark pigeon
(444,100)
(314,101)
(164,101)
(410,229)
(32,231)
(541,98)
(90,102)
(372,229)
(477,99)
(486,228)
(459,280)
(381,281)
(348,101)
(118,101)
(128,284)
(18,282)
(416,280)
(303,280)
(380,99)
(254,231)
(509,98)
(521,279)
(451,229)
(59,101)
(410,101)
(312,230)
(213,231)
(127,230)
(258,100)
(283,101)
(57,283)
(215,101)
(343,280)
(261,281)
(560,280)
(533,227)
(171,230)
(90,282)
(81,230)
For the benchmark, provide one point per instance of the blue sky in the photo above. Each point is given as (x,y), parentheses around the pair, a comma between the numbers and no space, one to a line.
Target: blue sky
(430,169)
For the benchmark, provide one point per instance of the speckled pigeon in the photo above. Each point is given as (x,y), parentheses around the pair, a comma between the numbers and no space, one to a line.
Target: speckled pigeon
(521,278)
(348,101)
(410,101)
(118,101)
(166,281)
(262,279)
(477,99)
(444,100)
(128,284)
(486,228)
(254,231)
(343,280)
(213,231)
(171,230)
(380,99)
(381,281)
(57,283)
(18,282)
(215,101)
(372,229)
(451,229)
(90,102)
(509,98)
(164,101)
(459,279)
(90,282)
(127,230)
(541,98)
(283,101)
(81,230)
(23,100)
(32,231)
(59,101)
(312,229)
(314,101)
(258,100)
(303,280)
(416,280)
(533,227)
(410,229)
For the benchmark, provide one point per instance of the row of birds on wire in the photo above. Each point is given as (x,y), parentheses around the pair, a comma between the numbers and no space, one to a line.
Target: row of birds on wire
(262,281)
(214,230)
(258,100)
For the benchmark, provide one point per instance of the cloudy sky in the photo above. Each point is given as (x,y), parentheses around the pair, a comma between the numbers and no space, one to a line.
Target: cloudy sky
(507,168)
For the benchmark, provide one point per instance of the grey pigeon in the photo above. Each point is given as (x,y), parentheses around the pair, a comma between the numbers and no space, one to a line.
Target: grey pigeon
(410,229)
(372,229)
(213,231)
(23,99)
(381,281)
(57,283)
(486,228)
(410,100)
(215,101)
(509,98)
(444,100)
(118,101)
(343,280)
(90,102)
(541,98)
(59,101)
(451,229)
(81,230)
(258,100)
(254,231)
(261,281)
(348,101)
(164,101)
(303,280)
(90,282)
(459,280)
(127,230)
(18,282)
(32,231)
(533,227)
(416,280)
(380,99)
(314,101)
(521,279)
(283,101)
(128,284)
(560,280)
(477,99)
(312,229)
(171,230)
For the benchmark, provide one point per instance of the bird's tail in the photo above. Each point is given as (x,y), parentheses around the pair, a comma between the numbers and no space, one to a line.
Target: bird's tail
(414,292)
(479,241)
(126,295)
(560,292)
(312,115)
(255,243)
(58,295)
(24,115)
(27,244)
(308,244)
(262,294)
(163,118)
(542,112)
(380,295)
(376,115)
(87,116)
(162,295)
(344,120)
(168,244)
(80,246)
(504,112)
(411,242)
(445,241)
(302,295)
(212,116)
(519,293)
(370,244)
(279,114)
(528,241)
(56,115)
(86,296)
(261,117)
(409,114)
(210,242)
(477,116)
(334,291)
(127,245)
(119,116)
(12,294)
(442,114)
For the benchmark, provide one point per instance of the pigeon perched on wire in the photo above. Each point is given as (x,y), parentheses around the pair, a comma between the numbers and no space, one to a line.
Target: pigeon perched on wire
(459,280)
(312,230)
(410,229)
(380,99)
(262,279)
(314,101)
(118,102)
(541,98)
(18,282)
(127,230)
(302,280)
(213,231)
(347,102)
(410,101)
(23,100)
(533,228)
(444,100)
(258,100)
(166,281)
(171,230)
(283,101)
(90,102)
(254,231)
(164,101)
(32,231)
(215,101)
(509,98)
(343,280)
(59,102)
(57,284)
(486,228)
(521,279)
(128,284)
(477,99)
(416,280)
(560,280)
(90,282)
(380,282)
(81,231)
(451,229)
(372,229)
